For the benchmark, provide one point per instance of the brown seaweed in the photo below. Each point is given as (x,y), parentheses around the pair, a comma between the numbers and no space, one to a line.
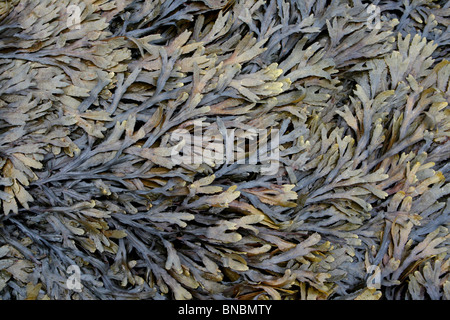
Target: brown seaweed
(315,136)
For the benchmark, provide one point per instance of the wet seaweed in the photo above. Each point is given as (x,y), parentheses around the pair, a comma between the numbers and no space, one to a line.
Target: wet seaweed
(94,106)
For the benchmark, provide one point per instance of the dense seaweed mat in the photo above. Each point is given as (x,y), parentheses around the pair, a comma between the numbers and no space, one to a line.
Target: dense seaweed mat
(358,209)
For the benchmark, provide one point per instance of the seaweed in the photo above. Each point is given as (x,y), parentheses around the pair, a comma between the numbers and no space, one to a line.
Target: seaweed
(210,149)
